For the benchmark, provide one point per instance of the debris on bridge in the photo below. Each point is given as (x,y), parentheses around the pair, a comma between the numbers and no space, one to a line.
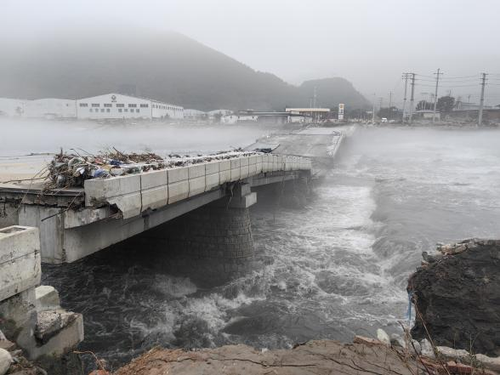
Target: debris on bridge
(71,169)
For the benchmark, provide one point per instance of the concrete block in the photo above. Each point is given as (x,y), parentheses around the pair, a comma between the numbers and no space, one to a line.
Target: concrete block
(130,205)
(195,171)
(20,265)
(47,298)
(69,335)
(253,159)
(154,198)
(74,219)
(178,191)
(235,163)
(177,174)
(244,161)
(212,180)
(252,169)
(153,179)
(244,201)
(224,165)
(102,189)
(244,171)
(258,167)
(197,186)
(235,174)
(224,176)
(212,167)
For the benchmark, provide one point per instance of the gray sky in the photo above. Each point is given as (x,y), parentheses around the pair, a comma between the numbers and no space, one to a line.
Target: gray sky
(369,42)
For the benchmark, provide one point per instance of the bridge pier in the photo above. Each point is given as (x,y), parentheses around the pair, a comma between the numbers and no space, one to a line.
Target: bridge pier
(213,243)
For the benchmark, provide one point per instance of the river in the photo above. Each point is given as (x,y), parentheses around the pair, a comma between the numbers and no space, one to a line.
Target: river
(334,269)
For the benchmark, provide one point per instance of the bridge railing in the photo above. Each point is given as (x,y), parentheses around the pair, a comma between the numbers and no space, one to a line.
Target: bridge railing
(133,194)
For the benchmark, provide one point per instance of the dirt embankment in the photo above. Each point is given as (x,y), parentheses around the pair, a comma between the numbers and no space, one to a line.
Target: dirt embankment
(314,357)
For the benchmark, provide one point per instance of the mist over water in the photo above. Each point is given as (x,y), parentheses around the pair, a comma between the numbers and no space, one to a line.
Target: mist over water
(331,270)
(25,134)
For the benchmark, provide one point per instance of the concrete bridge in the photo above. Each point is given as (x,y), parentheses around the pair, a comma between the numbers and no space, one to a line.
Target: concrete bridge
(76,222)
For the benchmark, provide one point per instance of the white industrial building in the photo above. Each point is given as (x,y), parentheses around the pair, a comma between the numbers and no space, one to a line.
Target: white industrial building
(118,106)
(11,107)
(194,114)
(101,107)
(50,108)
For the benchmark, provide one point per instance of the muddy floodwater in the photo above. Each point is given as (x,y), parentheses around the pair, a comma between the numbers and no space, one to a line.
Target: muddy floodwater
(336,268)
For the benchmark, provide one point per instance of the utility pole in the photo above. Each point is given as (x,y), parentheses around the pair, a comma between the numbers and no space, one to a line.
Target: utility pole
(438,73)
(405,76)
(390,99)
(373,110)
(381,101)
(481,102)
(412,98)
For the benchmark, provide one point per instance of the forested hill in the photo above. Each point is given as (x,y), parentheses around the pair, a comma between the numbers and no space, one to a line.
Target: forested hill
(167,66)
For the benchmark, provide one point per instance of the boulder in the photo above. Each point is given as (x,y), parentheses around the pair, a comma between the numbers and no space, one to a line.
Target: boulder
(458,297)
(5,361)
(383,336)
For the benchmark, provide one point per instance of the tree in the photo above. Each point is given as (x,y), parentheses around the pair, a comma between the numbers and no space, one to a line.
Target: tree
(388,112)
(424,105)
(445,104)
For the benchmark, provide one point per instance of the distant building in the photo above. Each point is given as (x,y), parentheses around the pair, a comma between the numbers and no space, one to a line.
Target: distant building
(426,114)
(118,106)
(309,114)
(101,107)
(194,114)
(12,107)
(50,108)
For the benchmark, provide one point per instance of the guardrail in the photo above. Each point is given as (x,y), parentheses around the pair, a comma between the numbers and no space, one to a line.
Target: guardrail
(133,194)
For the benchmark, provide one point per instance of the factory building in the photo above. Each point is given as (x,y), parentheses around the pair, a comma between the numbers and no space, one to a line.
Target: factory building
(50,108)
(11,107)
(118,106)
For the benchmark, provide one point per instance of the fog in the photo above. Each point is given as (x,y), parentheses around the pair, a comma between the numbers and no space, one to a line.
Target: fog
(43,136)
(368,42)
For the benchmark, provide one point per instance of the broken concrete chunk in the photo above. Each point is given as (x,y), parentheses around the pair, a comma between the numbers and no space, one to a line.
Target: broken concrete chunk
(47,298)
(50,322)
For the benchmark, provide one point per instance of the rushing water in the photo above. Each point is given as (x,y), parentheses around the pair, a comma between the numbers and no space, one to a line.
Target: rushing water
(331,270)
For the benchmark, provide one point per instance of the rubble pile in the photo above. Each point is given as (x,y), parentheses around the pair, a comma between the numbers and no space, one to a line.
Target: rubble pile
(68,170)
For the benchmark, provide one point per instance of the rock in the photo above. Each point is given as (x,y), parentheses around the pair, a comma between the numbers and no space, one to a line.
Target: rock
(451,353)
(5,361)
(416,345)
(7,345)
(489,362)
(426,349)
(458,297)
(397,340)
(383,336)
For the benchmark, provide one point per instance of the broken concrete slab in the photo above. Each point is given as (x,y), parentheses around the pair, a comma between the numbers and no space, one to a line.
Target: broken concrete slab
(20,263)
(47,298)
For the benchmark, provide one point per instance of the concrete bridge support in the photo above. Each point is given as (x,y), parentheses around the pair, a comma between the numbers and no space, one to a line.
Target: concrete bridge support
(213,243)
